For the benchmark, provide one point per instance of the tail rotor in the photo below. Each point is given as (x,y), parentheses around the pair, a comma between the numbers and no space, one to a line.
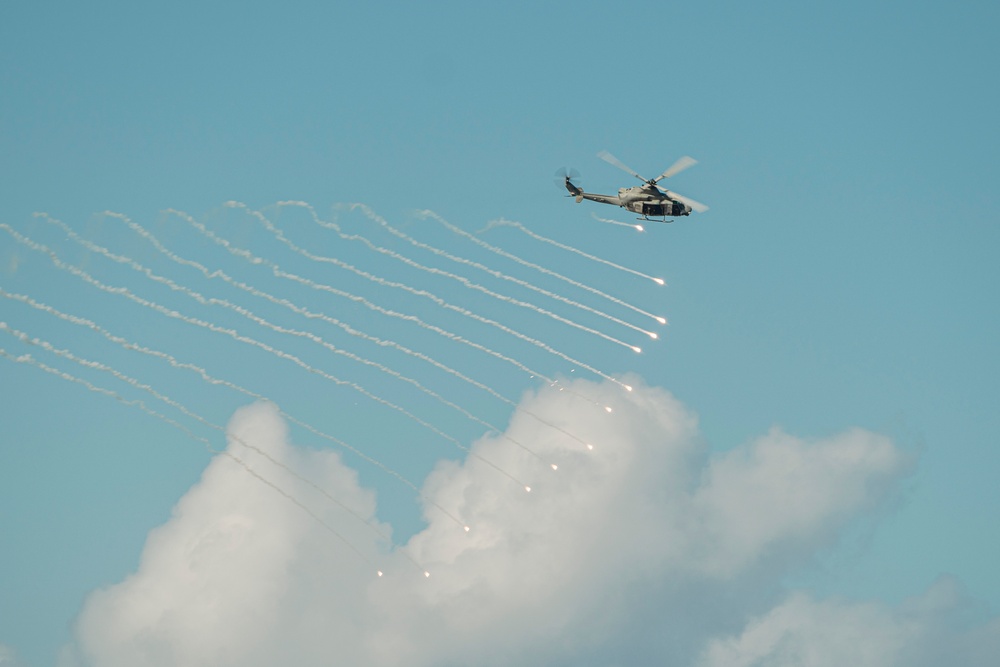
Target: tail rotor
(570,179)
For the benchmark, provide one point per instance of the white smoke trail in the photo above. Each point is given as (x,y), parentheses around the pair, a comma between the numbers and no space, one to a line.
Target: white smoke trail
(543,239)
(462,260)
(261,321)
(93,247)
(463,311)
(618,222)
(542,269)
(122,291)
(173,361)
(270,226)
(419,292)
(29,360)
(278,272)
(138,229)
(211,274)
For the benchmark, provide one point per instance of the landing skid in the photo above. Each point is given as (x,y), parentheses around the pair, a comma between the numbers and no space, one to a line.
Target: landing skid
(648,219)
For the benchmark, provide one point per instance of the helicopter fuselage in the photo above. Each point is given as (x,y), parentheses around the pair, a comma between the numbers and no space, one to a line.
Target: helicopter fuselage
(648,200)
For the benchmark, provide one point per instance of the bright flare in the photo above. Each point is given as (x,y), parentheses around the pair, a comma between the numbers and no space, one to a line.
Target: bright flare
(528,489)
(467,529)
(607,408)
(661,320)
(380,573)
(639,228)
(652,335)
(426,574)
(636,349)
(628,388)
(658,281)
(555,467)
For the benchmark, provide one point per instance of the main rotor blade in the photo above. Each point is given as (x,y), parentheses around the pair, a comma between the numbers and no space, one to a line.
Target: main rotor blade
(611,159)
(695,205)
(676,168)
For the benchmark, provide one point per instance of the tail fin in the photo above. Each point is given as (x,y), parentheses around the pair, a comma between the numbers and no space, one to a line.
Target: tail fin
(573,190)
(565,177)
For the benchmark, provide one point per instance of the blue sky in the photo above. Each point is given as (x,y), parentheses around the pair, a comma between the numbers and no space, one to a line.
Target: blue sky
(845,275)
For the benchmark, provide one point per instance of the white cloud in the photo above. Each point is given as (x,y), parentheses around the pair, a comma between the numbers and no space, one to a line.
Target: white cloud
(780,493)
(932,629)
(645,548)
(7,657)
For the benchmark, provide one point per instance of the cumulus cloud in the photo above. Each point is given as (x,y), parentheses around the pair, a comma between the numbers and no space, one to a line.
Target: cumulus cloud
(929,630)
(646,548)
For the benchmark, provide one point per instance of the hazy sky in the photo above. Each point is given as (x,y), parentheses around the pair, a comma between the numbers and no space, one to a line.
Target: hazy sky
(803,474)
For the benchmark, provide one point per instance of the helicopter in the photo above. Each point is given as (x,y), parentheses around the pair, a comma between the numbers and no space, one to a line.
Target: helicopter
(647,199)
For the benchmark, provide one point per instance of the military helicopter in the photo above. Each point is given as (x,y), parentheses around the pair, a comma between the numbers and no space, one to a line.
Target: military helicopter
(647,199)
